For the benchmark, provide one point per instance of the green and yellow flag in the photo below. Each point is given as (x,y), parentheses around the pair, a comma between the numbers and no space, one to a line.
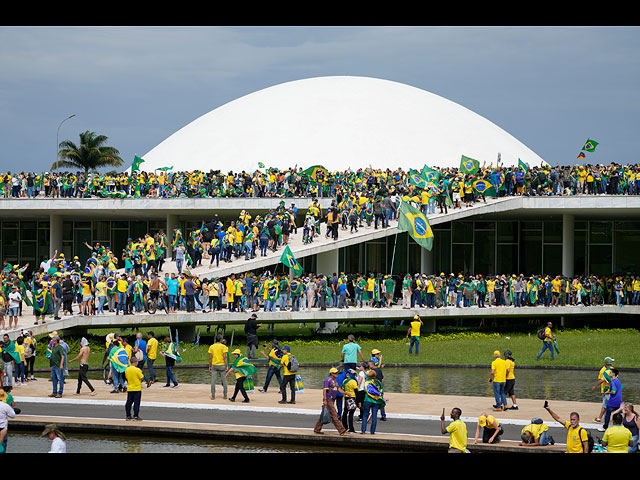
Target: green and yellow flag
(469,165)
(412,220)
(523,165)
(590,145)
(485,188)
(135,166)
(317,173)
(416,178)
(430,175)
(290,261)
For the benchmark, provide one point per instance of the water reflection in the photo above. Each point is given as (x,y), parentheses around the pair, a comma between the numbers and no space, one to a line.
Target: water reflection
(570,385)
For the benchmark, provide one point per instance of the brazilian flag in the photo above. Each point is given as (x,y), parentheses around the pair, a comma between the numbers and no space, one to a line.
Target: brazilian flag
(243,366)
(316,174)
(430,175)
(485,188)
(119,358)
(172,351)
(590,145)
(416,178)
(41,300)
(260,165)
(135,166)
(290,261)
(523,165)
(469,165)
(412,220)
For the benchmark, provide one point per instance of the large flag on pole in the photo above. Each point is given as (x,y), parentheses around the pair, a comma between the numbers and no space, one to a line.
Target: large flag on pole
(316,173)
(412,220)
(485,188)
(290,261)
(430,175)
(469,165)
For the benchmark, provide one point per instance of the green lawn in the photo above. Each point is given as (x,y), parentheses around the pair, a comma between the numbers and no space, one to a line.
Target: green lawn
(578,347)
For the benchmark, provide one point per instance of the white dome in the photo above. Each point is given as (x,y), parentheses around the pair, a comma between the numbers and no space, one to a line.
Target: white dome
(337,122)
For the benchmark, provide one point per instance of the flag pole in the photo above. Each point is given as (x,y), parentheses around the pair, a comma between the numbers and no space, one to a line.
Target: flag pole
(393,257)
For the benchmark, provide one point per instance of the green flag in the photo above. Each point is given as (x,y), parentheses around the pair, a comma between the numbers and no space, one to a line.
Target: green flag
(135,166)
(590,145)
(430,175)
(523,165)
(412,220)
(290,261)
(485,188)
(469,165)
(164,169)
(260,165)
(316,173)
(416,178)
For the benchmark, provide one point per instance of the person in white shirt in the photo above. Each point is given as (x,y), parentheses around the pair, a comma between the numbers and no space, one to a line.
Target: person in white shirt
(58,444)
(15,299)
(6,412)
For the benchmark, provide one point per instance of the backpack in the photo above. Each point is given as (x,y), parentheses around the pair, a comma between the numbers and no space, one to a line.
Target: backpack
(293,364)
(590,441)
(541,334)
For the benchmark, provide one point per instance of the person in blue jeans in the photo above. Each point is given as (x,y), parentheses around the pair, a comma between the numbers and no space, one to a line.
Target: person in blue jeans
(170,362)
(373,401)
(615,398)
(56,362)
(547,342)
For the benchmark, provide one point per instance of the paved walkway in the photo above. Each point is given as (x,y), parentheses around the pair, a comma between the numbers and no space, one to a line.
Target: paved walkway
(189,401)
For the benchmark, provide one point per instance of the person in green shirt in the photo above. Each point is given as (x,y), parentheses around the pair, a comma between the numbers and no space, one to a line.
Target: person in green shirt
(56,362)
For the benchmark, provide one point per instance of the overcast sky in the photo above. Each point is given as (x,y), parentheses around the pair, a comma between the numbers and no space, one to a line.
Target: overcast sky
(550,87)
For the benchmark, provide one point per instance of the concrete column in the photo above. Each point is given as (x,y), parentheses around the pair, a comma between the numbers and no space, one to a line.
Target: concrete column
(55,234)
(327,262)
(568,229)
(426,261)
(172,222)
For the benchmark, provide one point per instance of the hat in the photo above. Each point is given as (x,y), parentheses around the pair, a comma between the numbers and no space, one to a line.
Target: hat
(416,317)
(333,370)
(609,361)
(53,334)
(237,350)
(482,420)
(496,353)
(286,348)
(375,351)
(52,428)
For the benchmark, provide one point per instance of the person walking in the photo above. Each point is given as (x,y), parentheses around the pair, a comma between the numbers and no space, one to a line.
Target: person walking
(547,341)
(329,393)
(83,357)
(288,376)
(218,365)
(615,398)
(509,386)
(134,378)
(274,357)
(251,329)
(373,401)
(56,362)
(152,354)
(242,369)
(604,382)
(498,378)
(170,358)
(350,353)
(348,389)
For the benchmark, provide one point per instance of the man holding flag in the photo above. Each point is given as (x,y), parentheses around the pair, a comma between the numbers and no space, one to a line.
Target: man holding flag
(412,220)
(290,261)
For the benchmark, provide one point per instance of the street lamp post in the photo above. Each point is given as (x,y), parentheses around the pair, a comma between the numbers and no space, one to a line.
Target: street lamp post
(58,134)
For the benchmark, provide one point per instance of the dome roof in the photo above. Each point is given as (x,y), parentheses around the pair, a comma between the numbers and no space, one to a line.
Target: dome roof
(338,122)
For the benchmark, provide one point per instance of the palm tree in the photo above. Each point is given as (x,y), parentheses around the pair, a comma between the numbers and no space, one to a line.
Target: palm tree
(90,155)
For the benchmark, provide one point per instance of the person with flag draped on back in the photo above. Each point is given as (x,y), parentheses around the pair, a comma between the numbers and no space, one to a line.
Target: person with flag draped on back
(41,299)
(171,355)
(243,370)
(119,361)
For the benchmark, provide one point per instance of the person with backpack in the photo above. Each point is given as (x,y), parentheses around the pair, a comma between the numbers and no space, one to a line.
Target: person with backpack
(290,367)
(579,440)
(547,338)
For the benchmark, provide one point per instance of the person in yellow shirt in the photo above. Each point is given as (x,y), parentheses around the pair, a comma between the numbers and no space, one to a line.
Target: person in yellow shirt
(498,378)
(457,431)
(218,365)
(230,286)
(617,438)
(577,437)
(288,377)
(134,378)
(510,379)
(491,429)
(536,434)
(152,354)
(414,332)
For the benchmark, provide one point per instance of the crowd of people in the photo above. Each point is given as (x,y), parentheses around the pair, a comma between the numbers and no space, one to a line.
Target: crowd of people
(612,179)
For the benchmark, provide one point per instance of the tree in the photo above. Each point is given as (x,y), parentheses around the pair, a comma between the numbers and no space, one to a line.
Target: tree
(91,154)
